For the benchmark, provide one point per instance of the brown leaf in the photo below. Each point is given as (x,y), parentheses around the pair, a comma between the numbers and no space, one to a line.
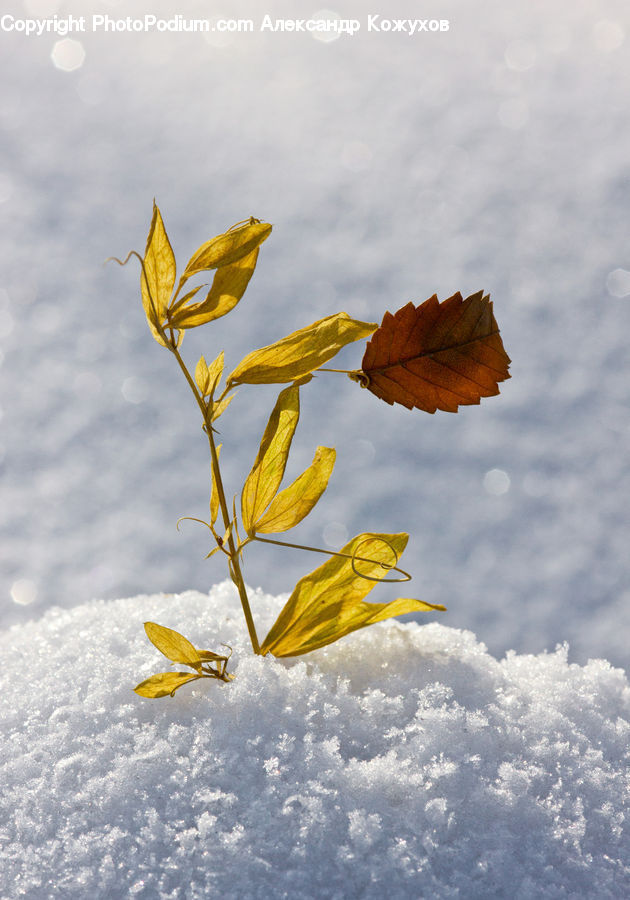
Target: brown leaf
(436,355)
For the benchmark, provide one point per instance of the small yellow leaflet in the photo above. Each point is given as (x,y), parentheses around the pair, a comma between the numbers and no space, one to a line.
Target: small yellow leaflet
(227,248)
(268,470)
(179,649)
(185,299)
(228,286)
(219,407)
(294,356)
(202,379)
(164,684)
(172,644)
(158,275)
(296,501)
(208,376)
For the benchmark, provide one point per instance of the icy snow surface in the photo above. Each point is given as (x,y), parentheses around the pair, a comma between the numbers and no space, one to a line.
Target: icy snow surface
(403,761)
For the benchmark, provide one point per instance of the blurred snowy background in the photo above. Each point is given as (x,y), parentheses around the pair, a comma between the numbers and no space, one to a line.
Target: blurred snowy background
(494,156)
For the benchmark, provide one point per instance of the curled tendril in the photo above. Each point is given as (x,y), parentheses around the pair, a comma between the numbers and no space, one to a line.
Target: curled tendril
(351,556)
(360,377)
(123,262)
(387,566)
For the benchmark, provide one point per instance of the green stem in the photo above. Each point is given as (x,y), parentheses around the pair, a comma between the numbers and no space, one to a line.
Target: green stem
(235,569)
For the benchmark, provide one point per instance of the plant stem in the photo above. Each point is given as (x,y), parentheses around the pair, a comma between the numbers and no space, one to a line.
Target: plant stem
(352,557)
(235,569)
(357,375)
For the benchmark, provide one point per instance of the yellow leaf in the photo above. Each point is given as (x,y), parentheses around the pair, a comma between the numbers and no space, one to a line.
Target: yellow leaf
(264,479)
(296,501)
(183,300)
(220,406)
(172,644)
(215,370)
(227,248)
(201,376)
(214,495)
(207,377)
(228,286)
(158,275)
(164,684)
(328,603)
(300,352)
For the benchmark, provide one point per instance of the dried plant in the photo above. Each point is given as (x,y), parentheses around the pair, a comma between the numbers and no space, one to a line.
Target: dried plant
(433,356)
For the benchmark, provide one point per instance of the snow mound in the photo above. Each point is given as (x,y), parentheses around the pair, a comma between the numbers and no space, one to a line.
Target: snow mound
(402,761)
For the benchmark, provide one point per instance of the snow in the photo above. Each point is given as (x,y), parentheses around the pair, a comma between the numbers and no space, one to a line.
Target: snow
(403,760)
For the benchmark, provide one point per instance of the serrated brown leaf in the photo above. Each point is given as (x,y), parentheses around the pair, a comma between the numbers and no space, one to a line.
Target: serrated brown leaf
(436,355)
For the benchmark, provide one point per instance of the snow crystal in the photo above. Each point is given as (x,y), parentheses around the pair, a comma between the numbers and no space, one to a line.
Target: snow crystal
(403,761)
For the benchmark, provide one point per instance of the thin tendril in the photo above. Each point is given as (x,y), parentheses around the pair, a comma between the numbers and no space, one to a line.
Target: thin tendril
(217,537)
(351,556)
(124,262)
(193,519)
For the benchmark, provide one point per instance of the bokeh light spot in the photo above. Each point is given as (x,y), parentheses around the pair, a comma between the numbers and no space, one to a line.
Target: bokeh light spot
(335,534)
(23,592)
(325,37)
(496,482)
(134,390)
(618,283)
(68,55)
